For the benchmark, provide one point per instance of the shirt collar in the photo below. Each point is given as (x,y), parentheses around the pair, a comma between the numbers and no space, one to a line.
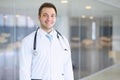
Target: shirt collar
(43,33)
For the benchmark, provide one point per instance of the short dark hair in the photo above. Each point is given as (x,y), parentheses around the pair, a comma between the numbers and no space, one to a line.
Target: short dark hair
(47,4)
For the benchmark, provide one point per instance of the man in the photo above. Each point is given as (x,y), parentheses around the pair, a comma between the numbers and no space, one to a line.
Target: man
(53,58)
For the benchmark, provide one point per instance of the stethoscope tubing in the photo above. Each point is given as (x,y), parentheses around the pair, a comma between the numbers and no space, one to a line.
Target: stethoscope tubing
(35,37)
(58,34)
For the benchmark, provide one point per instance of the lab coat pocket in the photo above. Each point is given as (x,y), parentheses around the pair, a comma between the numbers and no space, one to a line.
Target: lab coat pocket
(66,55)
(60,77)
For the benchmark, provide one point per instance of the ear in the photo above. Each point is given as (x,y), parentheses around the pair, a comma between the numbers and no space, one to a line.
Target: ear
(38,17)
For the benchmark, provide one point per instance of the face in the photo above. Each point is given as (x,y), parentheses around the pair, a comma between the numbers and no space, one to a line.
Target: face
(47,19)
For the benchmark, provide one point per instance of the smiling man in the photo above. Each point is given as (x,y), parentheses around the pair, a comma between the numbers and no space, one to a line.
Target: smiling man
(52,57)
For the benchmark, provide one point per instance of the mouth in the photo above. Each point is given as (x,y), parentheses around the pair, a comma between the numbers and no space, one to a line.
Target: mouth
(48,23)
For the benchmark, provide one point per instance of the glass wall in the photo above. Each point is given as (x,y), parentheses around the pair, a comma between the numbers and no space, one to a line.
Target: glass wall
(91,42)
(14,26)
(12,29)
(93,34)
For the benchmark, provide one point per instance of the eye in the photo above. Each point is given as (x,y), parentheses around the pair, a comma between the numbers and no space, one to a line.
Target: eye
(53,15)
(45,15)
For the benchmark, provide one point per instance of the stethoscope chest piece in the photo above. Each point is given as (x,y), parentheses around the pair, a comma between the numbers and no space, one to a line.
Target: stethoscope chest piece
(35,52)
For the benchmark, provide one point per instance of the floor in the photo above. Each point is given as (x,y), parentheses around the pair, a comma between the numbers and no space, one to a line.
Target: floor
(111,73)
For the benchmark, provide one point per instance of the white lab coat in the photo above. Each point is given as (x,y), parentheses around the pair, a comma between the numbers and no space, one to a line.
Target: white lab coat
(52,62)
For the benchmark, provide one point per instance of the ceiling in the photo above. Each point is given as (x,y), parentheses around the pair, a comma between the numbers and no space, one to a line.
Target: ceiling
(74,8)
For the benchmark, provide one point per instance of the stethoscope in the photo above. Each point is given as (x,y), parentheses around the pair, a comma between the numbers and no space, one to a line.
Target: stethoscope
(58,36)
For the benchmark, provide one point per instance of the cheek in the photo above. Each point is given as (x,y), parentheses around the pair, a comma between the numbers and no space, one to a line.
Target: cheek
(54,20)
(42,20)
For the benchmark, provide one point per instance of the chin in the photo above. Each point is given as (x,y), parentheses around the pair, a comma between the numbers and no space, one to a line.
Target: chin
(49,27)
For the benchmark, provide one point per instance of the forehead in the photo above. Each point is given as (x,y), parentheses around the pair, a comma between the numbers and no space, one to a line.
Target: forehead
(48,10)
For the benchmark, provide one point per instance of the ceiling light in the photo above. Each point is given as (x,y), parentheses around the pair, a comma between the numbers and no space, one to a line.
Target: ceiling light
(88,7)
(64,1)
(91,17)
(83,16)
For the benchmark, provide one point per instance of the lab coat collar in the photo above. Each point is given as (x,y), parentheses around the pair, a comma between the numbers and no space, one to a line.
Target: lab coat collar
(43,33)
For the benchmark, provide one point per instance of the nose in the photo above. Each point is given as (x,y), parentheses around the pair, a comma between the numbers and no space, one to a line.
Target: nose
(48,17)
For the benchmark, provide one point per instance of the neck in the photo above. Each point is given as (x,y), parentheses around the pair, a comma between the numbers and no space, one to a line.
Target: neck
(46,30)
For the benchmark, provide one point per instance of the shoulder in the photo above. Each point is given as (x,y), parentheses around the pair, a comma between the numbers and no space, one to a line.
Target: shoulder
(29,37)
(61,35)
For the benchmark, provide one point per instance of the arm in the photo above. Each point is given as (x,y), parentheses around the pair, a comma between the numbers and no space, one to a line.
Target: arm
(68,66)
(69,70)
(25,58)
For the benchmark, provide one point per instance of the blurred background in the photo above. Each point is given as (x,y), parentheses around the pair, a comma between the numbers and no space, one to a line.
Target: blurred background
(92,27)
